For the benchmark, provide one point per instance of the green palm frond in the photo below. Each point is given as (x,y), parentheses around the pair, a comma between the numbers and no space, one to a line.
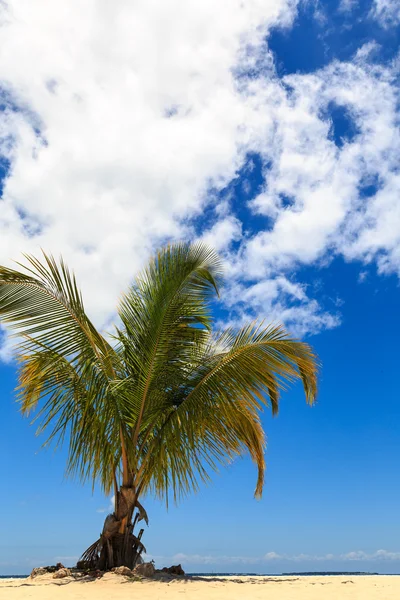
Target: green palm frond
(217,418)
(45,304)
(80,405)
(64,363)
(168,402)
(166,316)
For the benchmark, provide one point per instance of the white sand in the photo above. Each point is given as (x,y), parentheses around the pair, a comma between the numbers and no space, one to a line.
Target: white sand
(114,587)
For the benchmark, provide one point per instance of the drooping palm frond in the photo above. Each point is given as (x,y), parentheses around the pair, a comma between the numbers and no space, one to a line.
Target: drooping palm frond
(45,305)
(65,364)
(216,417)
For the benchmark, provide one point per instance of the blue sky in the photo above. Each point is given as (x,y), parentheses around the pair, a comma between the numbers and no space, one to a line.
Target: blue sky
(272,132)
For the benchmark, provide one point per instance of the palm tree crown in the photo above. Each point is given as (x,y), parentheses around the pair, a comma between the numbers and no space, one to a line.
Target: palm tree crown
(163,402)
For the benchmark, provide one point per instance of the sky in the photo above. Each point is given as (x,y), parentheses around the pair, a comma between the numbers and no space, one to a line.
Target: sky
(270,130)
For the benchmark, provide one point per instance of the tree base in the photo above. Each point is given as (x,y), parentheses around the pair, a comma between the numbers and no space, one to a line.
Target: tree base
(122,550)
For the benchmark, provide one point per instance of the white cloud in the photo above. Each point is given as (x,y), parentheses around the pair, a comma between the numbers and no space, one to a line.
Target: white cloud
(362,276)
(323,180)
(347,5)
(365,556)
(281,300)
(6,345)
(225,231)
(366,51)
(387,12)
(129,114)
(328,192)
(200,559)
(110,175)
(109,508)
(272,556)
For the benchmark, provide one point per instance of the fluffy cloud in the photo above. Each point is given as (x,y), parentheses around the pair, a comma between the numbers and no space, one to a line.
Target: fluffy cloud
(387,12)
(121,126)
(116,123)
(331,185)
(316,189)
(281,300)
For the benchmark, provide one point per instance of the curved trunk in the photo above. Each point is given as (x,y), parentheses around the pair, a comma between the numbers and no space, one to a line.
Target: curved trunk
(118,545)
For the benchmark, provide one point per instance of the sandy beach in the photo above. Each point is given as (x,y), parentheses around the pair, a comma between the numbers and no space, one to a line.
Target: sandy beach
(213,588)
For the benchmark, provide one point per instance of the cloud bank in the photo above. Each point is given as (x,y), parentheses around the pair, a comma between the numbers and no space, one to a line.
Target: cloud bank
(122,128)
(271,557)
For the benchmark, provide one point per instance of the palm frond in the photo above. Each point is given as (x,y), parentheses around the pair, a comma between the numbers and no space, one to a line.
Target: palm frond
(45,305)
(80,405)
(65,364)
(218,417)
(169,402)
(166,314)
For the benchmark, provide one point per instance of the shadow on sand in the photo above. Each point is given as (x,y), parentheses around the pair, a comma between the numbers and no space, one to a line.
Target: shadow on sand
(163,579)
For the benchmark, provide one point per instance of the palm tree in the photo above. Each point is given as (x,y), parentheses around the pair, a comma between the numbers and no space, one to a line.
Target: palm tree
(160,405)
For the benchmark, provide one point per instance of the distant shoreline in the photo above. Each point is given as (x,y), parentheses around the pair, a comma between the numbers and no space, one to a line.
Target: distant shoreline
(329,573)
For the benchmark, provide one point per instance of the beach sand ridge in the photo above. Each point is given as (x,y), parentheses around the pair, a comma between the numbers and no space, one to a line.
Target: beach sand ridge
(116,587)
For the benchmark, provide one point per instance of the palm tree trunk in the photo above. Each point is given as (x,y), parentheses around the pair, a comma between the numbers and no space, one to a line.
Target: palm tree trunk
(123,549)
(118,545)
